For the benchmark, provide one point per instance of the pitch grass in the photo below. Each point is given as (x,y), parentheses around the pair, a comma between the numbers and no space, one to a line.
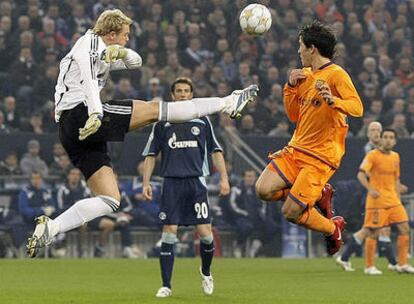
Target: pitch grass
(237,281)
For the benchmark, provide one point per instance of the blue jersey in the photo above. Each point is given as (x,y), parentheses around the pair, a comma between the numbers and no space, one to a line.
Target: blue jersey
(184,146)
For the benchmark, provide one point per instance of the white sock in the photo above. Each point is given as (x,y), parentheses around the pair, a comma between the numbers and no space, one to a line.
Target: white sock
(180,111)
(82,212)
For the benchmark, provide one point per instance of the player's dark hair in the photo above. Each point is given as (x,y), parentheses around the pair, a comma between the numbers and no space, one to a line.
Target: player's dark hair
(320,36)
(182,80)
(389,130)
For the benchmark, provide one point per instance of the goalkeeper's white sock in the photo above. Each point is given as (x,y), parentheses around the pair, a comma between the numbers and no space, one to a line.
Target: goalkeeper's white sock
(82,212)
(181,111)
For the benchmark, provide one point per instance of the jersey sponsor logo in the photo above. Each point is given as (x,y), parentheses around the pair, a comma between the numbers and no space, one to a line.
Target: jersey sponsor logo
(174,144)
(195,131)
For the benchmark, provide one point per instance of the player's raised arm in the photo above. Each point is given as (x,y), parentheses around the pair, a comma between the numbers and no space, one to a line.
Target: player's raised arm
(127,59)
(348,102)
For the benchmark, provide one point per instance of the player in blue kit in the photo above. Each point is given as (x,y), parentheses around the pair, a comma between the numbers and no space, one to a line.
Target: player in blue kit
(184,148)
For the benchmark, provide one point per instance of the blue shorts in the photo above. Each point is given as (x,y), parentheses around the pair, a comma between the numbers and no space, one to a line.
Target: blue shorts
(184,201)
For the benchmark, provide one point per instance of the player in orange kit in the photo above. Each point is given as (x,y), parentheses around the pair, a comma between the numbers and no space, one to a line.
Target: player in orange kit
(383,205)
(318,99)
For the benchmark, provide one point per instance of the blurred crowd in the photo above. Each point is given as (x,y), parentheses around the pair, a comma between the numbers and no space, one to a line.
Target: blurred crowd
(28,191)
(202,40)
(199,39)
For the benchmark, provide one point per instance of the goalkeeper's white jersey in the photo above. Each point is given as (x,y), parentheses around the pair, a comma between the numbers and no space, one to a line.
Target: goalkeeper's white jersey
(83,74)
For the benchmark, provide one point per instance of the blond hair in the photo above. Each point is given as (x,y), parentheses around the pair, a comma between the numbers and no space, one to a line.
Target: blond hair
(111,21)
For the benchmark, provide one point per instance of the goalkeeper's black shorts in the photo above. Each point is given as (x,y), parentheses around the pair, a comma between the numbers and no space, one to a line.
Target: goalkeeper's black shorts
(91,154)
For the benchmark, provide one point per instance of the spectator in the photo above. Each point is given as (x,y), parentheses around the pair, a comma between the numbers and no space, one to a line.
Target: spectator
(10,165)
(74,189)
(410,117)
(399,125)
(144,213)
(23,24)
(271,78)
(62,167)
(229,66)
(248,126)
(124,90)
(398,107)
(11,115)
(375,110)
(148,69)
(390,93)
(244,77)
(173,68)
(34,13)
(249,217)
(281,130)
(36,123)
(9,168)
(23,72)
(35,199)
(6,38)
(79,22)
(43,88)
(49,29)
(3,128)
(31,161)
(118,220)
(193,54)
(154,90)
(404,72)
(57,152)
(385,73)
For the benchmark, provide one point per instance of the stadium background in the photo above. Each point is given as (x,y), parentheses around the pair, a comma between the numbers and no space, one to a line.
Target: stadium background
(202,40)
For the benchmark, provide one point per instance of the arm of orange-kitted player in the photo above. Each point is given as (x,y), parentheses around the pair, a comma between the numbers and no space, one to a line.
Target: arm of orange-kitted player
(348,102)
(291,102)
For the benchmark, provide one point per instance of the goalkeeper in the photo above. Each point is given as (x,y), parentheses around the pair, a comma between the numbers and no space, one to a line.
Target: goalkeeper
(86,124)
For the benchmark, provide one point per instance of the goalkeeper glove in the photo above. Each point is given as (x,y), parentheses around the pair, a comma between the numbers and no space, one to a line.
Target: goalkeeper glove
(114,52)
(91,126)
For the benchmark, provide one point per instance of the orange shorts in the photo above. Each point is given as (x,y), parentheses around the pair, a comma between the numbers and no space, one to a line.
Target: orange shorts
(304,174)
(381,217)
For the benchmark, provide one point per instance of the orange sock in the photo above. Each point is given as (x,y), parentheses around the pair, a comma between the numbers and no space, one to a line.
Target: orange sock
(370,249)
(403,242)
(280,195)
(313,220)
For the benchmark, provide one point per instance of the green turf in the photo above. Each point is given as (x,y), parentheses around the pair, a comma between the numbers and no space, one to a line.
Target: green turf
(304,281)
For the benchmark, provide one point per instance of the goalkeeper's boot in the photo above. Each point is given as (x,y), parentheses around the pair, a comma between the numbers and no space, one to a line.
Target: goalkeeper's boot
(325,203)
(335,241)
(207,283)
(41,236)
(237,100)
(164,292)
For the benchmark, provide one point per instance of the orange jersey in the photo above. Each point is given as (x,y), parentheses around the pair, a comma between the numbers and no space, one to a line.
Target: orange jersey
(383,170)
(321,129)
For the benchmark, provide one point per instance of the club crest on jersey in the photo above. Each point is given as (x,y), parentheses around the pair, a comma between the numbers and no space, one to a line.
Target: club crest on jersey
(195,131)
(316,102)
(162,216)
(174,144)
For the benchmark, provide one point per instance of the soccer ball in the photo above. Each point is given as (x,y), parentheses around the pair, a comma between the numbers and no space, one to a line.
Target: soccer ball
(255,19)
